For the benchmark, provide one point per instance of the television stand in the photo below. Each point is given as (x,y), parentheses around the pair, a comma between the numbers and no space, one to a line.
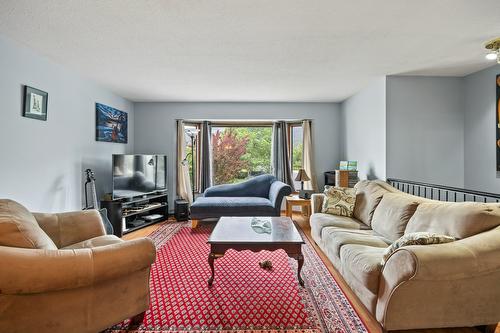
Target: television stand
(127,215)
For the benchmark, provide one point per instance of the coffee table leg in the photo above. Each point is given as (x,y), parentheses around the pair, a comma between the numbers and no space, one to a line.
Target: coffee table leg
(211,259)
(300,261)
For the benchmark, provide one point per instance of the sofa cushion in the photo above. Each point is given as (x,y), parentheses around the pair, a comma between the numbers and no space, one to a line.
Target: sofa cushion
(205,207)
(335,238)
(94,242)
(339,201)
(319,221)
(415,238)
(392,215)
(361,269)
(18,228)
(368,196)
(364,263)
(459,220)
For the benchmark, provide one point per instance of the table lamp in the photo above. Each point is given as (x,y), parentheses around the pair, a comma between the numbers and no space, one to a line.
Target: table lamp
(302,177)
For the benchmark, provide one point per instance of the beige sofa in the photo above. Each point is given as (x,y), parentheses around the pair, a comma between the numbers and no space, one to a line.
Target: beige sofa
(421,286)
(61,273)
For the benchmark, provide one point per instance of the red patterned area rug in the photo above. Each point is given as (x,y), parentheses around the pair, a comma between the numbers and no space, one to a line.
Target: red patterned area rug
(244,297)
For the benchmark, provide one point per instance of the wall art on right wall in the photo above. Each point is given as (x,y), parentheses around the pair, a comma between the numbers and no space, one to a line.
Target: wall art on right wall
(498,121)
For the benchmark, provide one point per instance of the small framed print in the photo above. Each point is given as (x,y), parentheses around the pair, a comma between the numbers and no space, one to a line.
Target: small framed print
(35,103)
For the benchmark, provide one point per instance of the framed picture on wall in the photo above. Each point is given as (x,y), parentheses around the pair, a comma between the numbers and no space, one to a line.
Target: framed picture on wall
(111,124)
(35,103)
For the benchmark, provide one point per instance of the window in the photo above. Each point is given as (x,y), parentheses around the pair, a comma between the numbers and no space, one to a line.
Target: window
(192,150)
(240,152)
(296,149)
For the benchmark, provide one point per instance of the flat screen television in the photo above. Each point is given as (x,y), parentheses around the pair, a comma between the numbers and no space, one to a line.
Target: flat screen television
(138,175)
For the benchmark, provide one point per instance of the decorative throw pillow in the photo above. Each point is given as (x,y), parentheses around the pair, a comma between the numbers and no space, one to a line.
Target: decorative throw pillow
(339,201)
(416,238)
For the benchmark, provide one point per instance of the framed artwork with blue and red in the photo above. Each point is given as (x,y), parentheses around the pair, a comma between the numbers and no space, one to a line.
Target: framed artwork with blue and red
(111,124)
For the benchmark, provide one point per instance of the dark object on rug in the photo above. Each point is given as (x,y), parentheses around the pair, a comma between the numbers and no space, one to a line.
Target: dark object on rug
(266,264)
(181,210)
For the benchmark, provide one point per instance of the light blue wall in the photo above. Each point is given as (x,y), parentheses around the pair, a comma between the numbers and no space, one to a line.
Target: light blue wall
(156,132)
(364,130)
(432,129)
(480,127)
(425,129)
(42,162)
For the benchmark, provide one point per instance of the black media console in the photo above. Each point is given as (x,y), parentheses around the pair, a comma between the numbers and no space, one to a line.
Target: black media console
(128,215)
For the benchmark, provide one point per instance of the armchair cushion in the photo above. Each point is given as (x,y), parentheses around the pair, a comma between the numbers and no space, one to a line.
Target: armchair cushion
(94,242)
(19,228)
(71,227)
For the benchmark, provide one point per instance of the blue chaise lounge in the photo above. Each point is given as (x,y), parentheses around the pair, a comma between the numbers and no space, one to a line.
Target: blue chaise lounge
(258,196)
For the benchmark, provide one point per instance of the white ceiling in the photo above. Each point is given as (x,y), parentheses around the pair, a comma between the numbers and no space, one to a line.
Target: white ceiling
(253,50)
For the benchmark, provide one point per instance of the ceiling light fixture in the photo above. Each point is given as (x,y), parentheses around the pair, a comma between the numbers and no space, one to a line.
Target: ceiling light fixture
(493,47)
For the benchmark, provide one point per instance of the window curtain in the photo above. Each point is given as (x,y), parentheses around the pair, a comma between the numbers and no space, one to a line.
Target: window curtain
(280,159)
(308,156)
(205,173)
(183,180)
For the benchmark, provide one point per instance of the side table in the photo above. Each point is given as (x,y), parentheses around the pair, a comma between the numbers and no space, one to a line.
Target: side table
(294,200)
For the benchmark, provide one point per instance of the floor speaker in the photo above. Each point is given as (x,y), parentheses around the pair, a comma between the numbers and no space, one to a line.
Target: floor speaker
(181,210)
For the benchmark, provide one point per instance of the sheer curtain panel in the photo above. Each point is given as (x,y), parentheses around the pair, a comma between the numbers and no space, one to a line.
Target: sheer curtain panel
(308,156)
(183,179)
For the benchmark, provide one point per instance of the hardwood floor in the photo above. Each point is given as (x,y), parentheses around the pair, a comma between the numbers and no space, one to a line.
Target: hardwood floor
(144,232)
(368,319)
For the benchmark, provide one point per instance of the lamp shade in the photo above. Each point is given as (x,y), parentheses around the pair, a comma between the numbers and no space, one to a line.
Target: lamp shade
(302,176)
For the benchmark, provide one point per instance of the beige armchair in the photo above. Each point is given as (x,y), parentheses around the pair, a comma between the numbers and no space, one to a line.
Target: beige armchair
(61,273)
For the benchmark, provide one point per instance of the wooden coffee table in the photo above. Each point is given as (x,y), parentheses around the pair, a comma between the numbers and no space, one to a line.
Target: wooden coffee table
(238,234)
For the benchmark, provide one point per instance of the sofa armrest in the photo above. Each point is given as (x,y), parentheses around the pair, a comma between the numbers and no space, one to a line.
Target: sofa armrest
(36,271)
(417,282)
(277,192)
(72,227)
(317,202)
(115,260)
